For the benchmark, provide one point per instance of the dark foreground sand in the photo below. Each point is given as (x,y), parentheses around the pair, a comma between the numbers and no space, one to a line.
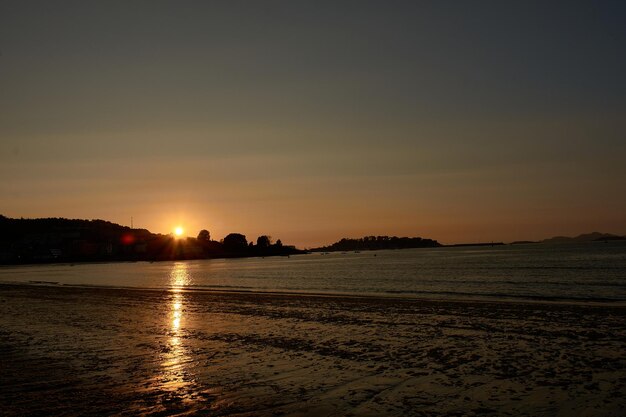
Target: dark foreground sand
(89,351)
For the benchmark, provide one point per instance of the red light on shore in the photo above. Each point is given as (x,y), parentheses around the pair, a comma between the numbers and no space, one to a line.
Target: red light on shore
(127,239)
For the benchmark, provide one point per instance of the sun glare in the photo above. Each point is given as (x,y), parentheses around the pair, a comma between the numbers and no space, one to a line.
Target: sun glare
(179,231)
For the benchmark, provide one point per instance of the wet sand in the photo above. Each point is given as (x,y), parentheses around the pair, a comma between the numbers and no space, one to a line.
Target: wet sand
(97,351)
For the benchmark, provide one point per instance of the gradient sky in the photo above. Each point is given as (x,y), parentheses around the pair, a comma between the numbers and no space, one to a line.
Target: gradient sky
(311,121)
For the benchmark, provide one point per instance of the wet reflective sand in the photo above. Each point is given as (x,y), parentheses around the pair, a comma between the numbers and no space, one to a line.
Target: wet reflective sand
(95,351)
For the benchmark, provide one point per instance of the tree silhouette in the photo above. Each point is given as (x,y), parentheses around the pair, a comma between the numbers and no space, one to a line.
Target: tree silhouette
(236,243)
(204,236)
(263,242)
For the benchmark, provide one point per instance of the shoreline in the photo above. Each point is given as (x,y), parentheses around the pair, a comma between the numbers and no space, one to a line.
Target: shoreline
(479,298)
(105,261)
(309,252)
(77,350)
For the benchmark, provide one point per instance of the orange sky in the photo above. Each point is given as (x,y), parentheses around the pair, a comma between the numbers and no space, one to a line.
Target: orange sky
(315,122)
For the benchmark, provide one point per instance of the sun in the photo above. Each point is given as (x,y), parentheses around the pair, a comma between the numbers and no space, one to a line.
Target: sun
(178,231)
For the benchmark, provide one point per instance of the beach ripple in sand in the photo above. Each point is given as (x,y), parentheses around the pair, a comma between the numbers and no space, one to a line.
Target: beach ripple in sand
(95,351)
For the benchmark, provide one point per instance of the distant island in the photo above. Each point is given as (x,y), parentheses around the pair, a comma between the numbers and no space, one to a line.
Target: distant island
(587,237)
(393,242)
(584,238)
(52,240)
(377,243)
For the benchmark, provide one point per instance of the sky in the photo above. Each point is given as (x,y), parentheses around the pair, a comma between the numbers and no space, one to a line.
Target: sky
(312,121)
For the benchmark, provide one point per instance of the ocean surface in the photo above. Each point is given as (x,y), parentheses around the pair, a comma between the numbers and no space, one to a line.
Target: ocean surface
(591,271)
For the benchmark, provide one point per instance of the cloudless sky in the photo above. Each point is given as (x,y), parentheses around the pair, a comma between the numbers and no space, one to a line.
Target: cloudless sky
(311,121)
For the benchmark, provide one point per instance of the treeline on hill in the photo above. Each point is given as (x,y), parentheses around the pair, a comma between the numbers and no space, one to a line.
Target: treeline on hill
(67,240)
(379,242)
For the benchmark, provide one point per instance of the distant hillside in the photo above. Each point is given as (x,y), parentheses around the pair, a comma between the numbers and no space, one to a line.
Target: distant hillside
(50,240)
(379,242)
(588,237)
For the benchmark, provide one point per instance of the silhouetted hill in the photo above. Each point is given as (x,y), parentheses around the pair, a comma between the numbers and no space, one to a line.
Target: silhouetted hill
(73,240)
(377,243)
(587,237)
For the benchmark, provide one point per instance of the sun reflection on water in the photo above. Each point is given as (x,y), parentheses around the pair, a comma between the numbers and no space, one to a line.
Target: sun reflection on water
(174,362)
(179,276)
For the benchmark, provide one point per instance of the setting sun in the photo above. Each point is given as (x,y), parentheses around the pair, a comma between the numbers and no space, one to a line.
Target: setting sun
(178,231)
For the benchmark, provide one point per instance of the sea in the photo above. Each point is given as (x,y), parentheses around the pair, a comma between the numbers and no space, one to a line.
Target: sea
(593,271)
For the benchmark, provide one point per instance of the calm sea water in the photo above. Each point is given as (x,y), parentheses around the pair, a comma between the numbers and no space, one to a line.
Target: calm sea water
(593,271)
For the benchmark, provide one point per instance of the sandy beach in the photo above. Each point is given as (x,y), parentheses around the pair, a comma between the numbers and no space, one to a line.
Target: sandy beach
(105,351)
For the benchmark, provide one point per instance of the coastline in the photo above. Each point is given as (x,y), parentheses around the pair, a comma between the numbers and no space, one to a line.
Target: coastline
(566,274)
(98,261)
(107,350)
(444,297)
